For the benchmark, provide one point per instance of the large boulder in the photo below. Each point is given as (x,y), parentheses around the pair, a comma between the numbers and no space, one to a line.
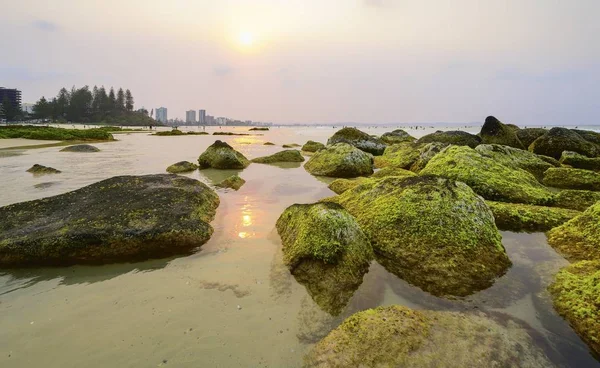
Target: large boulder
(529,218)
(455,137)
(326,251)
(283,156)
(575,293)
(392,171)
(220,155)
(38,169)
(80,148)
(433,232)
(488,178)
(182,166)
(578,161)
(528,135)
(579,238)
(312,146)
(401,155)
(426,153)
(494,132)
(513,157)
(588,135)
(558,140)
(339,186)
(397,336)
(574,199)
(567,178)
(397,136)
(340,160)
(124,218)
(358,139)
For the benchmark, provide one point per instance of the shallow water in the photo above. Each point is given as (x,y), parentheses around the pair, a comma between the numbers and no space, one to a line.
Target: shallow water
(232,303)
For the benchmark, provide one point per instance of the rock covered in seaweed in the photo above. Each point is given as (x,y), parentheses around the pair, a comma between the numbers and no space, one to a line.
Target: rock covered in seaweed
(567,178)
(312,146)
(529,218)
(513,157)
(397,136)
(358,139)
(41,169)
(81,148)
(182,166)
(123,218)
(494,131)
(392,171)
(220,155)
(578,161)
(339,186)
(426,153)
(579,238)
(283,156)
(340,160)
(455,137)
(401,155)
(528,135)
(574,199)
(233,182)
(557,140)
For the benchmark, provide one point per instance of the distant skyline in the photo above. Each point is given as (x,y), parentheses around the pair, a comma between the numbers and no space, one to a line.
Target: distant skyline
(528,62)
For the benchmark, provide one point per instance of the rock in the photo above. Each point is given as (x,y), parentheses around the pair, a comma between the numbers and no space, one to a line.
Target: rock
(182,166)
(124,218)
(397,136)
(529,218)
(437,233)
(339,186)
(513,157)
(259,128)
(455,137)
(41,169)
(340,160)
(402,155)
(80,148)
(575,293)
(588,135)
(291,145)
(562,177)
(397,336)
(220,155)
(283,156)
(392,171)
(312,146)
(578,200)
(358,139)
(558,140)
(528,135)
(426,153)
(488,178)
(578,161)
(233,182)
(268,144)
(494,132)
(579,238)
(326,251)
(513,127)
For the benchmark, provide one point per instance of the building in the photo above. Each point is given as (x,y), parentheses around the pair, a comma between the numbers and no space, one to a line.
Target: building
(202,117)
(190,117)
(13,96)
(27,107)
(161,114)
(221,120)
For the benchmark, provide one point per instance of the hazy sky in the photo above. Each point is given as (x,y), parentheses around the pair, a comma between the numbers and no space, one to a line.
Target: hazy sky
(371,61)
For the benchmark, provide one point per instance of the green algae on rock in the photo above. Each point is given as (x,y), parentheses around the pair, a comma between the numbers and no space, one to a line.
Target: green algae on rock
(124,218)
(259,128)
(455,137)
(220,155)
(426,153)
(340,160)
(397,336)
(488,178)
(514,157)
(528,135)
(177,132)
(579,238)
(574,199)
(182,166)
(567,178)
(283,156)
(326,251)
(392,171)
(312,146)
(494,131)
(575,293)
(291,145)
(233,182)
(41,169)
(397,136)
(578,161)
(529,218)
(358,139)
(339,186)
(268,144)
(557,140)
(437,233)
(401,155)
(80,148)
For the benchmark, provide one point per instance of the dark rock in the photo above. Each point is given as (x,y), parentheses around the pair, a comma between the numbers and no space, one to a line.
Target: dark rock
(494,132)
(41,169)
(455,137)
(80,148)
(358,139)
(558,140)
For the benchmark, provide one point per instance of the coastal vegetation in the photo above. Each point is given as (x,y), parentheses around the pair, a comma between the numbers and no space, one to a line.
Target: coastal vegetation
(54,134)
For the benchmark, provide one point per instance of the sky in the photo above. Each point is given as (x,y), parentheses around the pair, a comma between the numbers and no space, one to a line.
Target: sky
(317,61)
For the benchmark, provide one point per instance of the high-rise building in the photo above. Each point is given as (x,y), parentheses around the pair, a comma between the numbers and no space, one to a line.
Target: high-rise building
(202,117)
(13,96)
(190,117)
(161,114)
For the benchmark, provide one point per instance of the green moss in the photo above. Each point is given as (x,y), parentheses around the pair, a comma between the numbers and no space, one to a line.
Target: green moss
(182,166)
(488,178)
(515,158)
(340,160)
(557,140)
(426,153)
(579,238)
(339,186)
(578,200)
(312,146)
(233,182)
(268,144)
(259,128)
(529,218)
(358,139)
(283,156)
(220,155)
(177,132)
(568,178)
(80,148)
(229,133)
(392,171)
(578,161)
(455,137)
(528,135)
(54,134)
(576,295)
(291,145)
(495,132)
(41,169)
(397,136)
(402,155)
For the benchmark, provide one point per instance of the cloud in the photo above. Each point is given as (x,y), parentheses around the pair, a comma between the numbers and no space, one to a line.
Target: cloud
(44,25)
(222,70)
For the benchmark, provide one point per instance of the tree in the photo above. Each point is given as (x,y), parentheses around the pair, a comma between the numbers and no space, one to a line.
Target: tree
(42,109)
(128,100)
(61,104)
(112,100)
(120,99)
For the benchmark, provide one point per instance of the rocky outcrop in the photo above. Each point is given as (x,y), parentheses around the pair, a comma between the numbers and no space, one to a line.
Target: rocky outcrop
(233,182)
(182,166)
(220,155)
(528,135)
(392,171)
(558,140)
(397,136)
(339,186)
(283,156)
(562,177)
(401,155)
(513,157)
(578,200)
(358,139)
(340,160)
(312,146)
(80,148)
(41,169)
(455,137)
(495,132)
(529,218)
(578,161)
(579,238)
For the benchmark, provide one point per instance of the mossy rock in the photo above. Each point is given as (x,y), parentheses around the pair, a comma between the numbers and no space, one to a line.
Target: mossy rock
(326,251)
(312,146)
(574,199)
(575,293)
(488,178)
(397,136)
(358,139)
(392,171)
(220,155)
(578,161)
(437,233)
(339,186)
(268,144)
(529,218)
(81,148)
(558,140)
(340,160)
(588,135)
(124,218)
(283,156)
(291,145)
(513,127)
(233,182)
(514,157)
(259,128)
(426,153)
(397,336)
(528,135)
(41,169)
(229,133)
(567,178)
(170,133)
(182,166)
(579,238)
(455,137)
(401,155)
(494,131)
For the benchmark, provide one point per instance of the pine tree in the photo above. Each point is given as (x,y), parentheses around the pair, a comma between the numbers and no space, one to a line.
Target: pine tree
(120,99)
(112,100)
(128,100)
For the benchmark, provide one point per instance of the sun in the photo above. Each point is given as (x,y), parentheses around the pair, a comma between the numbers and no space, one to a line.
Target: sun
(246,39)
